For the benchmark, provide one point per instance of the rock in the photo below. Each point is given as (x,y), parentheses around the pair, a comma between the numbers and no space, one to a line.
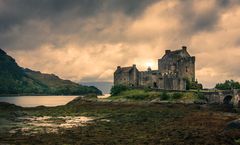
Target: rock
(75,101)
(157,100)
(235,124)
(90,96)
(19,113)
(8,106)
(200,102)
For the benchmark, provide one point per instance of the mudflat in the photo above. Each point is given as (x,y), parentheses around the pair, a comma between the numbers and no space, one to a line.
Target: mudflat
(85,121)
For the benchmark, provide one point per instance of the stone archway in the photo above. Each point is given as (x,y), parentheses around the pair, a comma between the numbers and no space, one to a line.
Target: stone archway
(227,99)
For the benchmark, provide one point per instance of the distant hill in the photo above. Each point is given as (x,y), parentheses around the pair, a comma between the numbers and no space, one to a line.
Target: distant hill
(105,87)
(17,80)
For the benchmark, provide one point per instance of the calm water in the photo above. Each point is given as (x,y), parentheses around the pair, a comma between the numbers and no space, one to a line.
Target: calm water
(33,101)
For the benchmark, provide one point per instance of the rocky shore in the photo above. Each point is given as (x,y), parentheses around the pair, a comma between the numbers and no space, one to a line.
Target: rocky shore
(106,121)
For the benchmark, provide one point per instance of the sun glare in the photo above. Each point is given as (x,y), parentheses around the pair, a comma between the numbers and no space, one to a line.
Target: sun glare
(149,64)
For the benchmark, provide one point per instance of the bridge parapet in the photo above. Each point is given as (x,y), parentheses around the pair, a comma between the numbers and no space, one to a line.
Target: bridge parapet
(236,93)
(223,97)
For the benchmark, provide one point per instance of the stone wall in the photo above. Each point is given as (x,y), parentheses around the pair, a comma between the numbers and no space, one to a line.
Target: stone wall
(178,62)
(186,68)
(172,82)
(174,68)
(126,76)
(151,78)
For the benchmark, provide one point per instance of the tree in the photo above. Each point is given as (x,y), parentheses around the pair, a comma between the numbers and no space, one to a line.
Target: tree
(117,89)
(228,85)
(194,85)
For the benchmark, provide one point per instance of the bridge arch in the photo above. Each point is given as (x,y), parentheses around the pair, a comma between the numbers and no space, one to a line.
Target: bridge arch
(227,99)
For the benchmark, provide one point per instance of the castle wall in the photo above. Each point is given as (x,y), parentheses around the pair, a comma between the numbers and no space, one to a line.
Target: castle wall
(182,64)
(151,79)
(186,68)
(174,69)
(128,78)
(172,82)
(134,76)
(121,79)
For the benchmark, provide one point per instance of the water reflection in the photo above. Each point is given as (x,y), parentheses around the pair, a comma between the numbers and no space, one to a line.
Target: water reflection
(33,101)
(104,96)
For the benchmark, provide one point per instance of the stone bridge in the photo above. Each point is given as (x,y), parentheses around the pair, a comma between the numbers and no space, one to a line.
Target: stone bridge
(223,97)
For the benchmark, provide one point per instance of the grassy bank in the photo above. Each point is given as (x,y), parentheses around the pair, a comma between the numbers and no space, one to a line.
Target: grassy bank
(146,95)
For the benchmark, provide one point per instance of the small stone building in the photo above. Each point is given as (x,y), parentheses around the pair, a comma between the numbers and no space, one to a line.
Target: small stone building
(175,68)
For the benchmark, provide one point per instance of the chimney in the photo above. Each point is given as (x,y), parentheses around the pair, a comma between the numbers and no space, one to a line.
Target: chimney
(134,65)
(184,48)
(118,67)
(167,51)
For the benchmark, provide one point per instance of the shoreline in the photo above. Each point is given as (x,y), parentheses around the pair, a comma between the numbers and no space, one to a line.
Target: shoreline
(19,95)
(135,122)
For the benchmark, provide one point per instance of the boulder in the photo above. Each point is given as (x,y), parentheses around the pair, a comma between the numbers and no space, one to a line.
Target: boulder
(235,124)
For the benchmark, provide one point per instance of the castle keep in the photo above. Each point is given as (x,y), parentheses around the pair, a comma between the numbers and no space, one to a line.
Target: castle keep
(175,70)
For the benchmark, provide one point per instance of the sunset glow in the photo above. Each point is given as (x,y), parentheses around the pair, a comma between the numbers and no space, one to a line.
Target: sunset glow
(150,64)
(86,41)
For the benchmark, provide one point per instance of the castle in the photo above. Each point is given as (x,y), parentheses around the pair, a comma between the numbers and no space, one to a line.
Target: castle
(175,70)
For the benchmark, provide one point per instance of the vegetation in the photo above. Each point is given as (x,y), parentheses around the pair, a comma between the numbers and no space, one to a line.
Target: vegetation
(177,95)
(117,89)
(16,80)
(228,85)
(164,96)
(200,96)
(134,124)
(193,85)
(91,96)
(148,95)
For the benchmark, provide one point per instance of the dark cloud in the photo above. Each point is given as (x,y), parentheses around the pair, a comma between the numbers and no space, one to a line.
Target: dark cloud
(17,18)
(17,11)
(129,7)
(195,21)
(87,39)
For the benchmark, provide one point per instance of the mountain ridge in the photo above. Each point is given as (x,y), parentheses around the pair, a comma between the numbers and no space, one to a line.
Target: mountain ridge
(17,80)
(104,86)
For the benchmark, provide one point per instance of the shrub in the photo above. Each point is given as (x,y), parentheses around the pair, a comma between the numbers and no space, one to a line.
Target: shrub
(91,96)
(137,97)
(193,85)
(164,96)
(201,96)
(117,89)
(176,96)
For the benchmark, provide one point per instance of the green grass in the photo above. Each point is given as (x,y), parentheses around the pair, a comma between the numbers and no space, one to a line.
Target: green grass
(136,94)
(144,95)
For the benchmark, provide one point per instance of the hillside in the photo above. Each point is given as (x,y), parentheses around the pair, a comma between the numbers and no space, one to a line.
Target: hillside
(105,87)
(17,80)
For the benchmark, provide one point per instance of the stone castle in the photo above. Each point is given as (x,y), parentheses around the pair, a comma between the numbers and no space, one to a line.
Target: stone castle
(175,70)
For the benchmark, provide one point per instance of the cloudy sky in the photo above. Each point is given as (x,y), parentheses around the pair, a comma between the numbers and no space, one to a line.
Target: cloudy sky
(84,40)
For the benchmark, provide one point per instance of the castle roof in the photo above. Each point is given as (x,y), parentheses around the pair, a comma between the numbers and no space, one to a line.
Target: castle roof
(126,69)
(181,53)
